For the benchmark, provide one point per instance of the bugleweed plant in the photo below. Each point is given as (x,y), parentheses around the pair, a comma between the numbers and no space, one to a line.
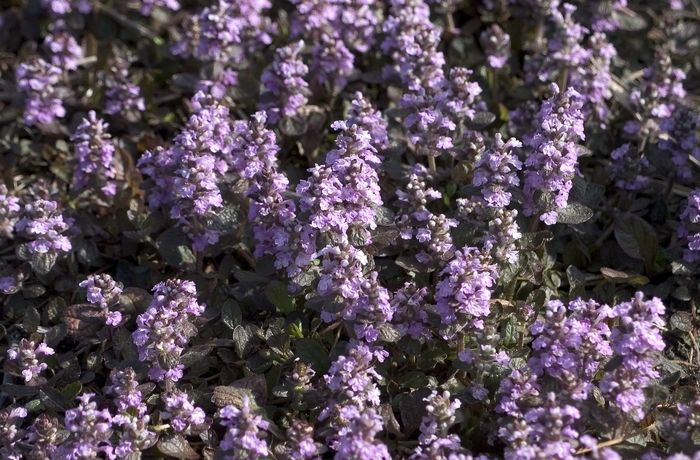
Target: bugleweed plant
(358,229)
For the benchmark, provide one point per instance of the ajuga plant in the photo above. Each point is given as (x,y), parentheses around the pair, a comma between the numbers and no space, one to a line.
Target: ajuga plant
(357,229)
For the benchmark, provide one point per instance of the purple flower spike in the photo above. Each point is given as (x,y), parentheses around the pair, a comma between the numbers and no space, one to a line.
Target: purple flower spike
(37,79)
(165,328)
(690,227)
(553,164)
(366,117)
(90,430)
(465,289)
(29,358)
(245,432)
(496,170)
(638,341)
(496,45)
(61,7)
(44,224)
(182,412)
(284,81)
(125,385)
(9,212)
(95,152)
(65,51)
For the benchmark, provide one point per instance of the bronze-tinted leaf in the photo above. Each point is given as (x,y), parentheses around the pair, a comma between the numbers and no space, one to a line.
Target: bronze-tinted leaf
(175,445)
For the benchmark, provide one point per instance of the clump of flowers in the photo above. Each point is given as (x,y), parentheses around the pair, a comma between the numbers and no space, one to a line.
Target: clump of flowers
(90,429)
(9,212)
(186,177)
(638,341)
(125,386)
(415,220)
(123,96)
(148,5)
(95,154)
(64,49)
(44,225)
(165,328)
(553,164)
(496,45)
(690,218)
(181,411)
(37,80)
(464,291)
(497,170)
(28,359)
(10,434)
(284,81)
(245,432)
(61,7)
(435,442)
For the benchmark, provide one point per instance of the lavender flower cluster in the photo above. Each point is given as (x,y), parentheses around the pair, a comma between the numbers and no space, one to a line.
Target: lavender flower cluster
(348,229)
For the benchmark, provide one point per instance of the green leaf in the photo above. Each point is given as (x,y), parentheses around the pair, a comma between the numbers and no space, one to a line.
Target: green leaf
(389,333)
(574,213)
(242,340)
(43,263)
(71,391)
(430,357)
(52,399)
(577,282)
(616,276)
(231,314)
(32,319)
(311,352)
(174,247)
(278,295)
(533,241)
(636,238)
(682,320)
(413,379)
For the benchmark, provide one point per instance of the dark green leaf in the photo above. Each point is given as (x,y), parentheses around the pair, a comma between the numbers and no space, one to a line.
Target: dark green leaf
(311,352)
(42,263)
(636,238)
(533,241)
(409,345)
(174,246)
(682,320)
(383,216)
(429,358)
(577,282)
(574,213)
(19,391)
(175,445)
(242,338)
(32,319)
(71,391)
(389,333)
(278,295)
(413,379)
(480,121)
(412,265)
(52,399)
(510,331)
(293,126)
(390,422)
(230,395)
(231,314)
(412,410)
(616,276)
(257,384)
(56,334)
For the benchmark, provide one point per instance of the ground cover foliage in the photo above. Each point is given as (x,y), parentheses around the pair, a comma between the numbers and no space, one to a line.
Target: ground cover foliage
(349,229)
